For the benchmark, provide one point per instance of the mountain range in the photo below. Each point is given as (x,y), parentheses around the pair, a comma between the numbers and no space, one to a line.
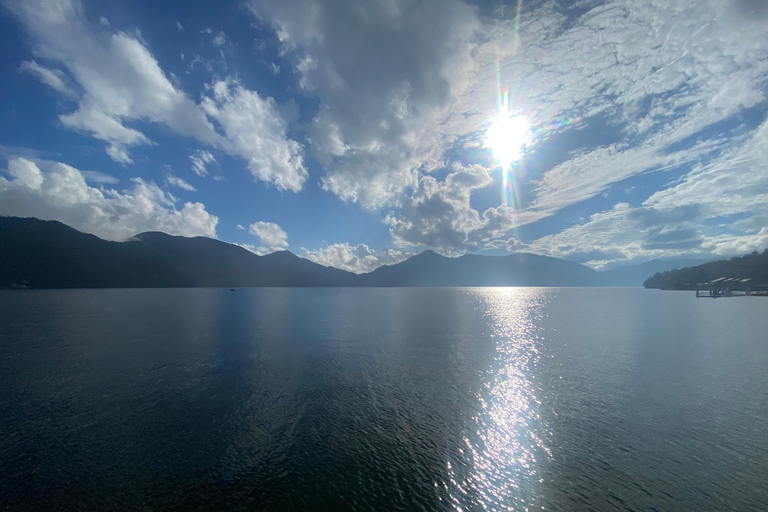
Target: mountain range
(48,254)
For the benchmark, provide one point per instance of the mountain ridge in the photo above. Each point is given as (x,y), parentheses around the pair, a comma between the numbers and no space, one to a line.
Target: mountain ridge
(49,254)
(753,267)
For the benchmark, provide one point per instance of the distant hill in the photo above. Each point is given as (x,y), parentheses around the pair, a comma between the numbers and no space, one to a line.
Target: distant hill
(48,254)
(520,269)
(635,275)
(752,266)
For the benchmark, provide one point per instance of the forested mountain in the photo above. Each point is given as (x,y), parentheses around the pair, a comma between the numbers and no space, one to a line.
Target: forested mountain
(752,266)
(634,275)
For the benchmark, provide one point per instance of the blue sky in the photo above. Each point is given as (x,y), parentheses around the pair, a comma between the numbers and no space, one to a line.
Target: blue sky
(357,133)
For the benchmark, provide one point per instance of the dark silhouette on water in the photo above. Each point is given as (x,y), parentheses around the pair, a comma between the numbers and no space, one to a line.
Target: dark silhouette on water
(753,266)
(49,254)
(520,269)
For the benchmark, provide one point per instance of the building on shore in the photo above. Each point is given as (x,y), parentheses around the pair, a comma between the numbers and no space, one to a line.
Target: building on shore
(723,287)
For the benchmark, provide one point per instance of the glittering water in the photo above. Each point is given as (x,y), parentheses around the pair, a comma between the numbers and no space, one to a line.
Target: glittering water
(386,399)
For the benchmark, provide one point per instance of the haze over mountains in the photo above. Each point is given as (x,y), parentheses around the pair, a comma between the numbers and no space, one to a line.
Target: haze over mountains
(49,254)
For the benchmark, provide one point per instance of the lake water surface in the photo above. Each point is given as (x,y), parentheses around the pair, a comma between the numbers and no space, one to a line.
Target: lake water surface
(385,399)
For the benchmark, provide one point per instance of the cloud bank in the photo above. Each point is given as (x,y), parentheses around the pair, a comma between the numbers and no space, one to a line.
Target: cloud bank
(358,259)
(60,192)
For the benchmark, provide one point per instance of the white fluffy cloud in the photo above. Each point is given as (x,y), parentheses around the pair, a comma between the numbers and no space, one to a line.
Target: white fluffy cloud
(355,258)
(439,215)
(60,192)
(270,234)
(123,85)
(386,74)
(256,131)
(120,79)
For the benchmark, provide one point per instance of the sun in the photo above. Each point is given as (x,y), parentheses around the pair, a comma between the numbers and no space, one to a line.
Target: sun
(506,137)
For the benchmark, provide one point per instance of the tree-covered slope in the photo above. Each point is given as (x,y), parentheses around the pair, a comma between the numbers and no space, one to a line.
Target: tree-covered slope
(752,266)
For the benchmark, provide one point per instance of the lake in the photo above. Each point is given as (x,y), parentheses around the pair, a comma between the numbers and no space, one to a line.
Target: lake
(382,399)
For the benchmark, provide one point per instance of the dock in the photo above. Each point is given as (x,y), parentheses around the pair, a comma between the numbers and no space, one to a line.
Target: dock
(724,287)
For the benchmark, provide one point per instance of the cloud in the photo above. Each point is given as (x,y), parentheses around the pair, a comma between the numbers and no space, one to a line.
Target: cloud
(402,89)
(269,234)
(60,192)
(736,182)
(396,92)
(606,237)
(725,188)
(240,226)
(53,78)
(625,235)
(515,245)
(257,131)
(666,78)
(751,224)
(590,173)
(675,238)
(123,85)
(99,177)
(200,159)
(730,244)
(439,215)
(26,173)
(175,181)
(645,218)
(120,79)
(260,250)
(751,10)
(220,39)
(385,75)
(355,258)
(661,74)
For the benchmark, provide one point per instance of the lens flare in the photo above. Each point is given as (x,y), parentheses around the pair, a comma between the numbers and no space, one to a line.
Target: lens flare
(506,138)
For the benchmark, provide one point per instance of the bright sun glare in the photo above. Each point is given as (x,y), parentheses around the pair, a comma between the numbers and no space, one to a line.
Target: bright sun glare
(506,137)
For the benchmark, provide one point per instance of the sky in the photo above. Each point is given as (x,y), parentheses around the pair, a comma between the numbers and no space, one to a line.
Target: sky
(356,133)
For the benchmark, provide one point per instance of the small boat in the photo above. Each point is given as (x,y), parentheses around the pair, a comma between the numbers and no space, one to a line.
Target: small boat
(232,290)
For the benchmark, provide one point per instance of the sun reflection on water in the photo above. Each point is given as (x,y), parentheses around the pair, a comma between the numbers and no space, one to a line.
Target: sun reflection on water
(506,442)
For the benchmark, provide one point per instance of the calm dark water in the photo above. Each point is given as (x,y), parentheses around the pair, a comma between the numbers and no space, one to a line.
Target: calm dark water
(386,399)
